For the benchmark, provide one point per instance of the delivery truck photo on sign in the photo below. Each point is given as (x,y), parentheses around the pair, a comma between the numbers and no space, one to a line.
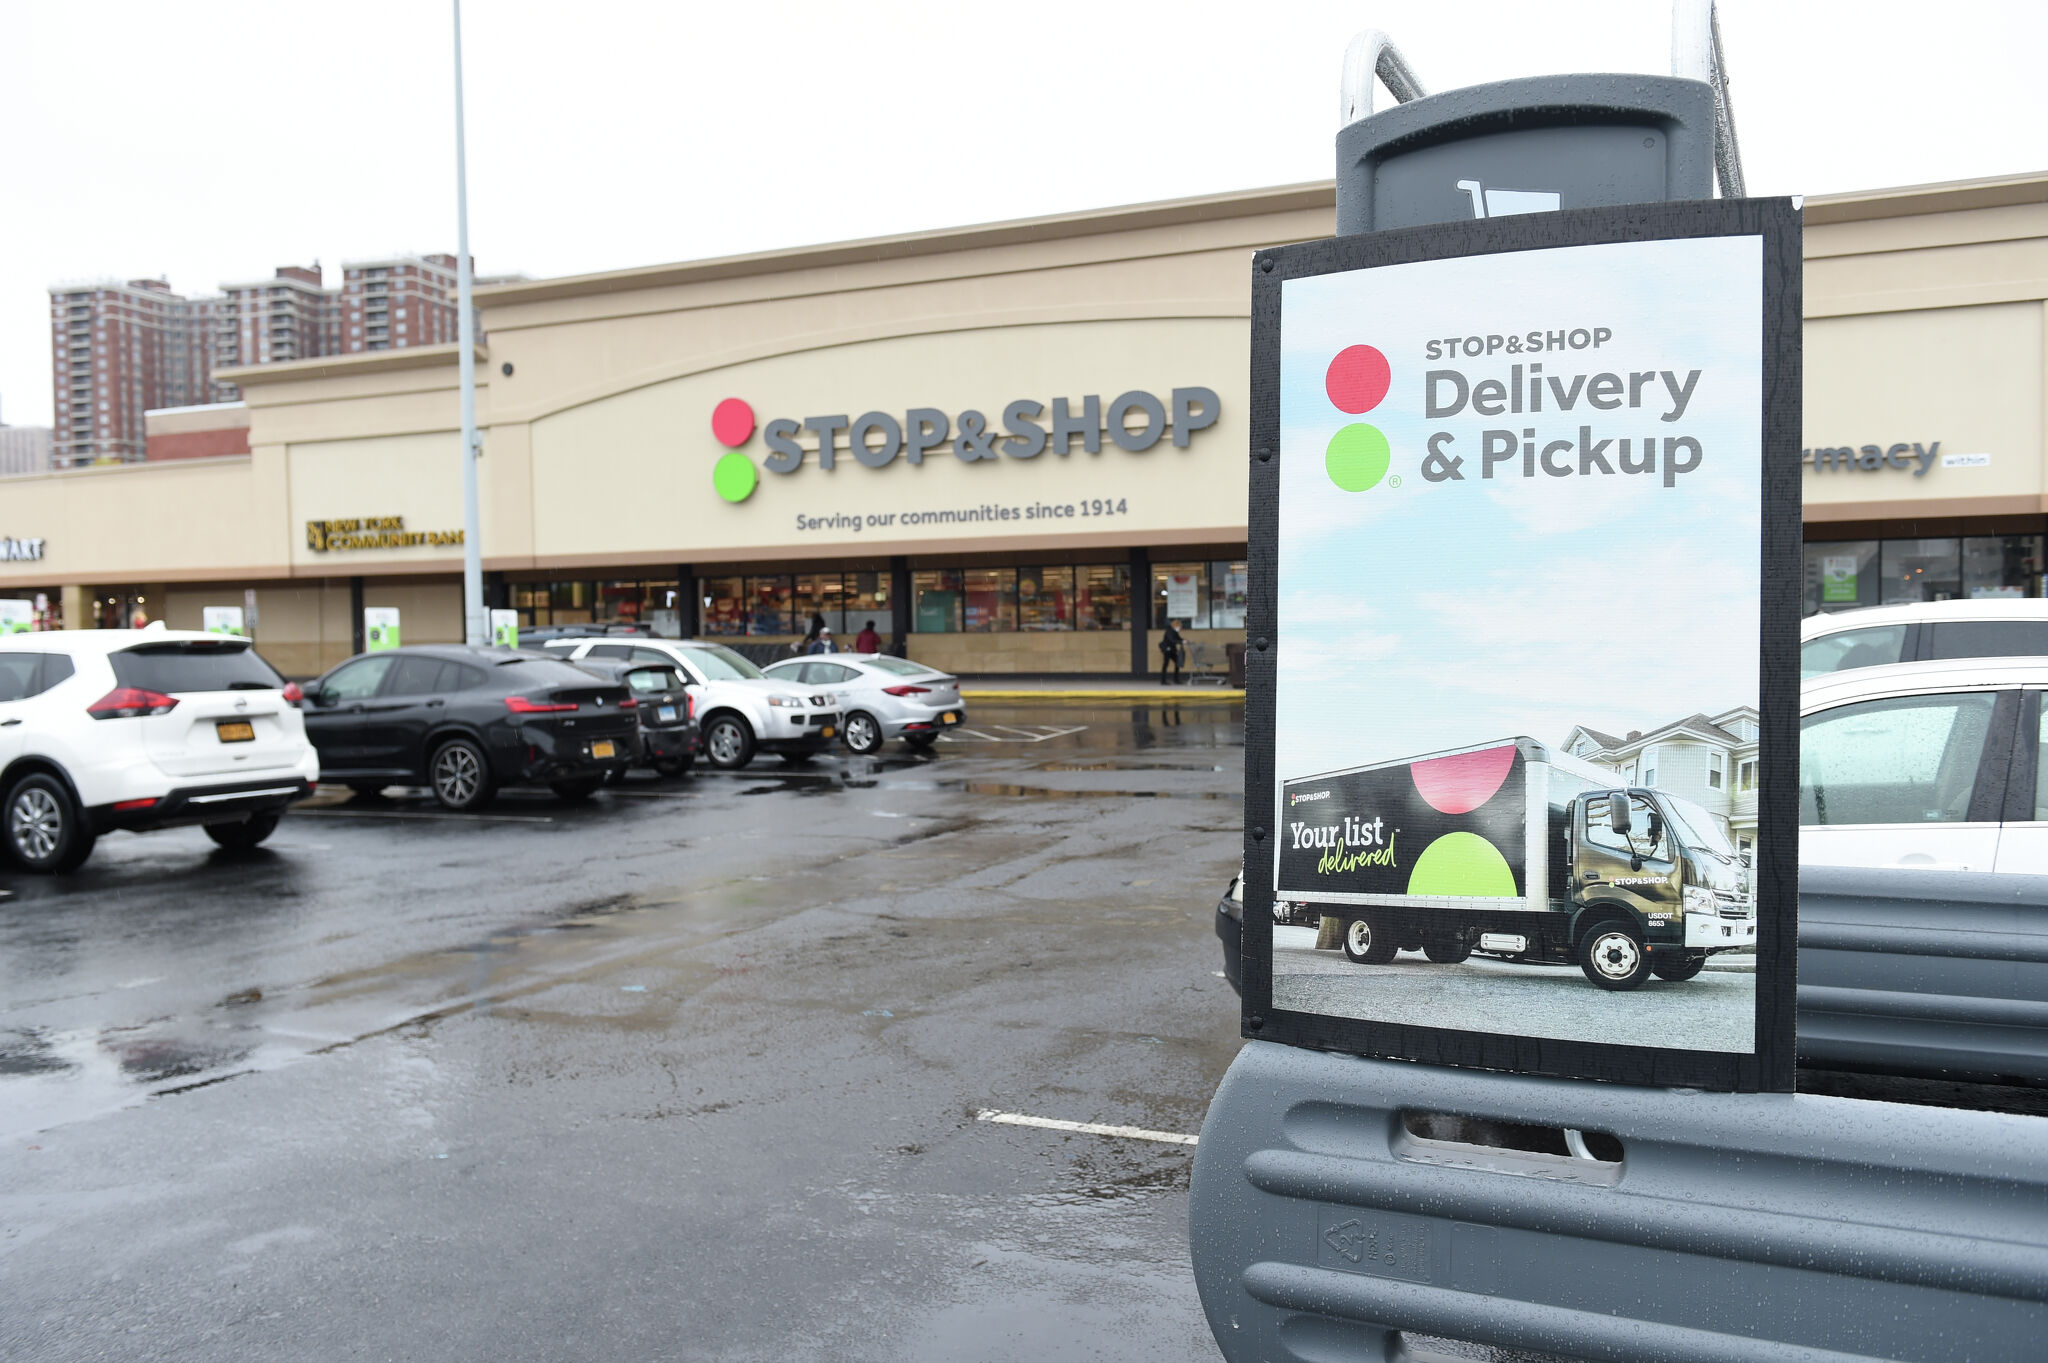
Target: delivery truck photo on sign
(1519,524)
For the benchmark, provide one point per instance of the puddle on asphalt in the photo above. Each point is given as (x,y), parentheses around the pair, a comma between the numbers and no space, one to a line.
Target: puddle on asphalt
(1119,766)
(1047,793)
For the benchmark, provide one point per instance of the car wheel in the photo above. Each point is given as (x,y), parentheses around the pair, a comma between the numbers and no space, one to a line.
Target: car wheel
(461,776)
(1447,950)
(672,766)
(243,834)
(1679,966)
(920,741)
(1613,955)
(729,743)
(44,828)
(1363,945)
(577,791)
(863,733)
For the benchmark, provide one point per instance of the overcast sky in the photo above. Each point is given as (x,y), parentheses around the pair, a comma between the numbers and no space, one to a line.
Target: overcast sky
(212,140)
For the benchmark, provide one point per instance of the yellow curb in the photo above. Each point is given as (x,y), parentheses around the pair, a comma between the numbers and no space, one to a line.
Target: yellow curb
(1206,694)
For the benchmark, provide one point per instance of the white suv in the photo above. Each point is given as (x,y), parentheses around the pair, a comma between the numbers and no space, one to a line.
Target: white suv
(141,729)
(739,709)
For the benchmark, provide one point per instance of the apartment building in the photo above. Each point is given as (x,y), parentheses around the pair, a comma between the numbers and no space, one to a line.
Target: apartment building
(290,316)
(24,450)
(400,302)
(117,349)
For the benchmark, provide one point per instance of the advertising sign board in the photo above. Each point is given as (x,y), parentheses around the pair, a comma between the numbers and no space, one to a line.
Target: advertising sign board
(505,628)
(222,620)
(380,628)
(17,617)
(1521,486)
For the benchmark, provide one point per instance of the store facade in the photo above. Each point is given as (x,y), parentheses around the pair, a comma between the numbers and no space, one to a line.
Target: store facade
(1018,448)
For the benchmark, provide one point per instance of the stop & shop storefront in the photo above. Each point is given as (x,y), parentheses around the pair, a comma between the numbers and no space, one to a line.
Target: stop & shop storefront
(1015,449)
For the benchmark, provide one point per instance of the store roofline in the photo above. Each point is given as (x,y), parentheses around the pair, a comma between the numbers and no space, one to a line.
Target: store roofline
(1321,194)
(1902,201)
(361,362)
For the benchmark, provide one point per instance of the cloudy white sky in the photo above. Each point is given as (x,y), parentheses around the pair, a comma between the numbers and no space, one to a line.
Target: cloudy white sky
(212,140)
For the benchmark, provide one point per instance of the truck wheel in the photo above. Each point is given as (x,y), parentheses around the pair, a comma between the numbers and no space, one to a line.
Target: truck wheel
(1364,946)
(1447,950)
(1677,966)
(1613,955)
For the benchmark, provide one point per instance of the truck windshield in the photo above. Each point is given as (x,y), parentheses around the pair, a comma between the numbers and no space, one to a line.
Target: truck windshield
(1696,827)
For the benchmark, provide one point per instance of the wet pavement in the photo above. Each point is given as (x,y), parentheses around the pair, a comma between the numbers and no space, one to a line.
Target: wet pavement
(690,1071)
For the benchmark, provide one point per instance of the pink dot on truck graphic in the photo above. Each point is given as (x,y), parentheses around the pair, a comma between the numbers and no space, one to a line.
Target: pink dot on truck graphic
(1462,782)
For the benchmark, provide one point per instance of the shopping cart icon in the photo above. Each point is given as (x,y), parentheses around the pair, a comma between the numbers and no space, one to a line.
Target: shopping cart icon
(1503,203)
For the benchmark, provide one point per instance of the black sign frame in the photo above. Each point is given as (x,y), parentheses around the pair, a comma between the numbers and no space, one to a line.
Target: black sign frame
(1770,1067)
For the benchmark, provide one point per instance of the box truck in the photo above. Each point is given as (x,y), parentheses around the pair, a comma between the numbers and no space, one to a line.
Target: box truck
(1518,850)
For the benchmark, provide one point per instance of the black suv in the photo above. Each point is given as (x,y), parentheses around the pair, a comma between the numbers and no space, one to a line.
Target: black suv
(466,721)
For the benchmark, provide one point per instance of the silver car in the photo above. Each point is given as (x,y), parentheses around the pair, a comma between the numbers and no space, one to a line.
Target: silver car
(883,697)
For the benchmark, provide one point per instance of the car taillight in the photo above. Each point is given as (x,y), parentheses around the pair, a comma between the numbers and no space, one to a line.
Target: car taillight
(128,702)
(293,696)
(629,704)
(907,690)
(690,701)
(520,705)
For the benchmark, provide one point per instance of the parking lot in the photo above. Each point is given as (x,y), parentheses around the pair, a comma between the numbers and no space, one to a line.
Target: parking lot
(693,1070)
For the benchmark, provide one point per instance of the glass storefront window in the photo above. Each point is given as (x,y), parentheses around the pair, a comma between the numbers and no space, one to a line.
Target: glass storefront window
(935,601)
(990,600)
(1179,592)
(722,605)
(867,600)
(1105,595)
(1921,570)
(2001,565)
(821,594)
(1227,593)
(1840,575)
(1045,598)
(770,605)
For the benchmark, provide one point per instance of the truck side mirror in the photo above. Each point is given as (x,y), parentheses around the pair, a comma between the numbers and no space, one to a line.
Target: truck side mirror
(1617,812)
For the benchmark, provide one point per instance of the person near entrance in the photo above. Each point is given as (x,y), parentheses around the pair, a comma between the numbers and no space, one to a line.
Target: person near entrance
(823,643)
(867,641)
(1172,651)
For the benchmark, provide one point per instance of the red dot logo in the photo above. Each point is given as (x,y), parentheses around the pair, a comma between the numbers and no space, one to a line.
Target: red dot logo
(1357,379)
(732,421)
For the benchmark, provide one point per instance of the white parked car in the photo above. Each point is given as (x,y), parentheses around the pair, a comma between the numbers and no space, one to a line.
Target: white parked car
(1925,631)
(1933,764)
(740,711)
(885,697)
(142,729)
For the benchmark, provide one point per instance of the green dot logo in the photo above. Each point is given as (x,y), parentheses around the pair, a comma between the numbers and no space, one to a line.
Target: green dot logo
(1357,381)
(734,476)
(1357,457)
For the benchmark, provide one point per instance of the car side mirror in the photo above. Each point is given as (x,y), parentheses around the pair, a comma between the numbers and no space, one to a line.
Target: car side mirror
(1617,812)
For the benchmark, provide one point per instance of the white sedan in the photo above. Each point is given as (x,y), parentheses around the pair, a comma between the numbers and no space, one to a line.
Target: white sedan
(885,697)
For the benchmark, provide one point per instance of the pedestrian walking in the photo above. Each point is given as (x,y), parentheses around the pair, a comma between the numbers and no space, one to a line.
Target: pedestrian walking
(1172,652)
(867,641)
(823,643)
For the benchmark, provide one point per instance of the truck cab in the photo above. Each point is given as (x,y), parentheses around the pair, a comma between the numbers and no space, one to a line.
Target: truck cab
(1650,883)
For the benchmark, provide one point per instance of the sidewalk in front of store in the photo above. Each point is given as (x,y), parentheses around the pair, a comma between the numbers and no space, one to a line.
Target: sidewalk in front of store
(1019,687)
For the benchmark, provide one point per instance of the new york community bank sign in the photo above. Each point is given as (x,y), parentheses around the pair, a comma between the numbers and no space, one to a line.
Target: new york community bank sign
(1027,429)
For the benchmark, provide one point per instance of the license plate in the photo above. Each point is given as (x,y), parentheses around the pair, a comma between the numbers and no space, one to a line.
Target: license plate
(827,731)
(667,714)
(602,748)
(949,719)
(236,731)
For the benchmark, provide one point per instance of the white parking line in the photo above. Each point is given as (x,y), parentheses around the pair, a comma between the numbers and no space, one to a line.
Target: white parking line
(1136,1133)
(1034,734)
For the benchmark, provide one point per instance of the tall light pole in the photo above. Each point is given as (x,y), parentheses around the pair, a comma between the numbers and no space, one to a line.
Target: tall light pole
(475,628)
